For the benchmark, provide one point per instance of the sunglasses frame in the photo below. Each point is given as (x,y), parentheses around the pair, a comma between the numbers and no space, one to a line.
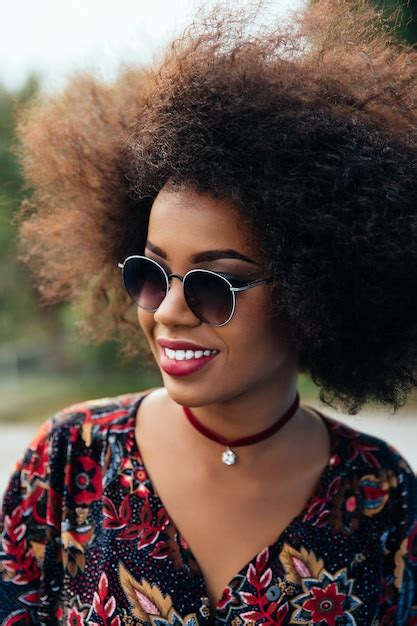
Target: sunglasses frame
(233,290)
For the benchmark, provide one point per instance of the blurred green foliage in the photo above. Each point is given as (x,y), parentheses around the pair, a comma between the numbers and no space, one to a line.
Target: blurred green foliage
(400,18)
(43,363)
(16,305)
(404,15)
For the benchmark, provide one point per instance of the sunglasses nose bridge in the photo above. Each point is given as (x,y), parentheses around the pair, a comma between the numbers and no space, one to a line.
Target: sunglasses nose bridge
(186,279)
(181,278)
(170,277)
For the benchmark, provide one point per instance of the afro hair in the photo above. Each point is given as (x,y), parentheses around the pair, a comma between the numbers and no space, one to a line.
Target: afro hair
(308,125)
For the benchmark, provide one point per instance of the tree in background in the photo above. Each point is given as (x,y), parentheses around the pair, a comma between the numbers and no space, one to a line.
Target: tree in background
(17,305)
(42,365)
(404,15)
(401,17)
(24,325)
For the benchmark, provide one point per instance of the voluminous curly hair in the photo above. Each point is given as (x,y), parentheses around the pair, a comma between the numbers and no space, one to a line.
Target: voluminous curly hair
(308,126)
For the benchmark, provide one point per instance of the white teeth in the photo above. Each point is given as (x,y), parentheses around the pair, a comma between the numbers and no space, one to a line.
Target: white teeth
(181,355)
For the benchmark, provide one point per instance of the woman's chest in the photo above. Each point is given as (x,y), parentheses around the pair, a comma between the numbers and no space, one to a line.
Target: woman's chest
(227,515)
(127,561)
(226,524)
(139,569)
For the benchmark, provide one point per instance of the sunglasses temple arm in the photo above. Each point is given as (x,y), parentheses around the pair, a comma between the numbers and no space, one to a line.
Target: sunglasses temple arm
(255,283)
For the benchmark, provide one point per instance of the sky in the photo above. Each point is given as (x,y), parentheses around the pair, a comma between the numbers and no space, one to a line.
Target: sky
(56,37)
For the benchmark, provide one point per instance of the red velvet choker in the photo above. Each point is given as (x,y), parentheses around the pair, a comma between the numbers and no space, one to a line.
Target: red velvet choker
(229,457)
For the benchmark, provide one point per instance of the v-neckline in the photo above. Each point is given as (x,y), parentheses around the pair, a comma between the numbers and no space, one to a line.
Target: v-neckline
(323,480)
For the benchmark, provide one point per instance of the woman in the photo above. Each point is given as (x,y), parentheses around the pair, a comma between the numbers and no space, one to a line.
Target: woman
(255,192)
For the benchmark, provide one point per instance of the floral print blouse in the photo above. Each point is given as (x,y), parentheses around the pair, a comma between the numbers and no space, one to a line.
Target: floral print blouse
(87,540)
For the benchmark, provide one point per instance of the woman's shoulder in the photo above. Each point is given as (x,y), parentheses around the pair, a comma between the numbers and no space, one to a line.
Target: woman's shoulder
(74,436)
(373,467)
(81,425)
(367,478)
(362,451)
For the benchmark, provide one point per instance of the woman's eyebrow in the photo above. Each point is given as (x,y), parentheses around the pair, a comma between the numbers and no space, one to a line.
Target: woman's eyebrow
(207,255)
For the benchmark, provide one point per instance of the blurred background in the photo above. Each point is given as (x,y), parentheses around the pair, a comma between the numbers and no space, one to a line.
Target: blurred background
(43,364)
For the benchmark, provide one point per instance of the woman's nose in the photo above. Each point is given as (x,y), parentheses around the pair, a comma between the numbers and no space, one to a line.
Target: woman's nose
(174,310)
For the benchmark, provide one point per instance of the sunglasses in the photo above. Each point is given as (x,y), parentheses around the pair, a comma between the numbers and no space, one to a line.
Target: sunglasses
(211,296)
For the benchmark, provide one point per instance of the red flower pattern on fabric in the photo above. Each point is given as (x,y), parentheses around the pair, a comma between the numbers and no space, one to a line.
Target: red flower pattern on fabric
(326,605)
(85,480)
(134,477)
(80,500)
(75,618)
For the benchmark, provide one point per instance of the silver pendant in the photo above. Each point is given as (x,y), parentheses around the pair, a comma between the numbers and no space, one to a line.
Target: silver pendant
(229,457)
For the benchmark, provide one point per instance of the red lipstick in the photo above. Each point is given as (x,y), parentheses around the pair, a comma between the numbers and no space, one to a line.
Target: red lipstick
(186,366)
(177,344)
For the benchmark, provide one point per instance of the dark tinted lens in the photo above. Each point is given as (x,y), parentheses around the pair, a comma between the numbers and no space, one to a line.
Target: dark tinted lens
(145,283)
(209,297)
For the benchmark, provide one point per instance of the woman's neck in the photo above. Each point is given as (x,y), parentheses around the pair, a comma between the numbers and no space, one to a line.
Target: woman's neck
(239,416)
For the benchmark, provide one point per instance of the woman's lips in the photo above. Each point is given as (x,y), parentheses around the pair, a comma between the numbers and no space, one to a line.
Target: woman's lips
(185,367)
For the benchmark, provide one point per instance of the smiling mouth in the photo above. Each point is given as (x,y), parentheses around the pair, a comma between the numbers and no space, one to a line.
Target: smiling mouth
(185,362)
